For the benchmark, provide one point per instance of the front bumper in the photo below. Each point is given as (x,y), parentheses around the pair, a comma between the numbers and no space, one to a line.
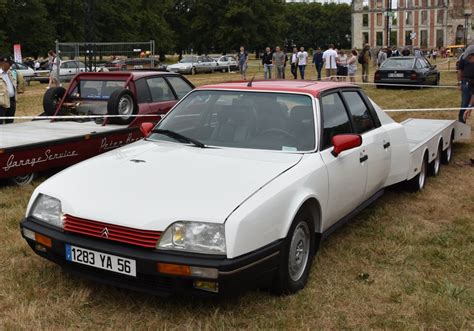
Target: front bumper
(234,275)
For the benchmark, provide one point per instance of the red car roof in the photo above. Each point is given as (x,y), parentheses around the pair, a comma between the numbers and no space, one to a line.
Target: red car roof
(302,86)
(124,74)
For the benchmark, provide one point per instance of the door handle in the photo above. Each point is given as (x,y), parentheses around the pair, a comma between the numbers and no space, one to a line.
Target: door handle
(386,145)
(364,158)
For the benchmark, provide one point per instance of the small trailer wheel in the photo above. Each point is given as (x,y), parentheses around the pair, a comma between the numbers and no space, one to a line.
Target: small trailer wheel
(23,180)
(447,154)
(123,103)
(435,165)
(418,182)
(52,98)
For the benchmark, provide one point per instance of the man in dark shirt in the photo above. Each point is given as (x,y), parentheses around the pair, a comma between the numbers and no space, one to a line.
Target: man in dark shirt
(318,61)
(267,61)
(465,68)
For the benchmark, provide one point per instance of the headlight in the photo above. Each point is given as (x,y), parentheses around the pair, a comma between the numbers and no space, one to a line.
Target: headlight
(205,238)
(48,210)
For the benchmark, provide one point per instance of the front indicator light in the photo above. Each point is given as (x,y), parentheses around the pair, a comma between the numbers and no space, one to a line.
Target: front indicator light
(185,270)
(41,240)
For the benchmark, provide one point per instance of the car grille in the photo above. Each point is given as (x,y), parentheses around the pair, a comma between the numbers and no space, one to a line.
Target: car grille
(143,238)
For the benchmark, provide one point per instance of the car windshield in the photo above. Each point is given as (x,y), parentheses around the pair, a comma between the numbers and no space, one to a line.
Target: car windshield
(188,60)
(96,89)
(399,63)
(254,120)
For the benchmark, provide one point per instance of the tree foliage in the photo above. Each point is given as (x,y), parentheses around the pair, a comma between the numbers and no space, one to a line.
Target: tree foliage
(176,25)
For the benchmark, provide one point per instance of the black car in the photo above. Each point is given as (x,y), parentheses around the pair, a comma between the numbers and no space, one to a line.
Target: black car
(407,70)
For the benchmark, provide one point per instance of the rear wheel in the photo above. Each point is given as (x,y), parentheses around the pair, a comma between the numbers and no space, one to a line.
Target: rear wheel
(122,102)
(52,98)
(296,255)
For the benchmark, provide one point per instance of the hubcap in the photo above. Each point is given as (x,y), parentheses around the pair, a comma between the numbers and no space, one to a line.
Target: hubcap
(125,107)
(299,251)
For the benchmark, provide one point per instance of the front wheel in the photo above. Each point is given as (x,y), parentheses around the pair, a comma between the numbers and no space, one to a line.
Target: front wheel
(296,256)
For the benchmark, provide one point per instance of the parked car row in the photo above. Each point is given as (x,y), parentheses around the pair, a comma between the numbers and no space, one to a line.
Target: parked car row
(202,63)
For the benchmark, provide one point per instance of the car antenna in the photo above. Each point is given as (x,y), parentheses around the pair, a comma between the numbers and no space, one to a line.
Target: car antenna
(251,81)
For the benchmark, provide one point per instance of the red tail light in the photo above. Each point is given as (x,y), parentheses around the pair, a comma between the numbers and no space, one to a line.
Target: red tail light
(413,76)
(377,76)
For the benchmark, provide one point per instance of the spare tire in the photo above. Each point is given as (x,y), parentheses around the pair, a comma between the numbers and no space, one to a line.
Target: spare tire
(51,99)
(123,103)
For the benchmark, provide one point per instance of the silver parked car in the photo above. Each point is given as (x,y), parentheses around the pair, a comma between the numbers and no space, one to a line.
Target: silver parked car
(226,63)
(194,64)
(67,70)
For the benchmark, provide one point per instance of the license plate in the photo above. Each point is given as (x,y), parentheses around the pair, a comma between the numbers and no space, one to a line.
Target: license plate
(100,260)
(397,75)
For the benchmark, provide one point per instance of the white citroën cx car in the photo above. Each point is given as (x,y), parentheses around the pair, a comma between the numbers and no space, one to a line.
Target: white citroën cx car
(235,187)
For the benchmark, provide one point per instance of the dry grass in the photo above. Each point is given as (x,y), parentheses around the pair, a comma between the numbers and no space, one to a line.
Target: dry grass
(415,250)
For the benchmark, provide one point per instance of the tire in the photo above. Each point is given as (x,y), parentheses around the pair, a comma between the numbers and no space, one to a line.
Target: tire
(418,182)
(224,70)
(51,99)
(447,154)
(435,165)
(122,102)
(438,78)
(23,180)
(296,256)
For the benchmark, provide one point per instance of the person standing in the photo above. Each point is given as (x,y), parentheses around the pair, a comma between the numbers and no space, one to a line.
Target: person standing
(318,61)
(284,66)
(365,61)
(302,60)
(382,56)
(329,58)
(278,60)
(294,63)
(352,66)
(341,62)
(54,79)
(267,59)
(242,58)
(10,85)
(465,73)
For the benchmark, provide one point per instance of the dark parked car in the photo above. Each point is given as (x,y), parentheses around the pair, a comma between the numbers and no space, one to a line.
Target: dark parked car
(116,65)
(409,70)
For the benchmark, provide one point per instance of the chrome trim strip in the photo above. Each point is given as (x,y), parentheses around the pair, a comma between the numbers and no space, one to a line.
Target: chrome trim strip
(224,273)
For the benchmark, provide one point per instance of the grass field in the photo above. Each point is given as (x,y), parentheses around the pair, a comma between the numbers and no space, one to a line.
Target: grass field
(405,263)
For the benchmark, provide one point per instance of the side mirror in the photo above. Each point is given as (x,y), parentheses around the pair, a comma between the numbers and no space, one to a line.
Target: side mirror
(146,128)
(344,142)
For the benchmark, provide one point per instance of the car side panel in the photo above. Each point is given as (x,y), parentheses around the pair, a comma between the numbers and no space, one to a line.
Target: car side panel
(267,215)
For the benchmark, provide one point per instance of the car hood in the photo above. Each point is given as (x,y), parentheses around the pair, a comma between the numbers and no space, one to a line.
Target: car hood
(149,185)
(180,65)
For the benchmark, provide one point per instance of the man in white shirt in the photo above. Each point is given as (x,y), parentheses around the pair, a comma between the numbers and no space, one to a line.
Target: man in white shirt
(302,60)
(9,87)
(329,58)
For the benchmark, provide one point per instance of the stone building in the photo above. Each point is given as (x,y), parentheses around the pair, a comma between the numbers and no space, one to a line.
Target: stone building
(413,23)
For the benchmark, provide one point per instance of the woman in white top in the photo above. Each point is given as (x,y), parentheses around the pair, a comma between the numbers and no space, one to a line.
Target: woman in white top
(352,66)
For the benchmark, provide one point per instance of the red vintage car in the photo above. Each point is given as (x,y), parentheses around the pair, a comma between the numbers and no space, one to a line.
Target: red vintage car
(69,134)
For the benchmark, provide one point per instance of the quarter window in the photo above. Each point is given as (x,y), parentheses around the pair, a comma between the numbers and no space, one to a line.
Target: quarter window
(335,118)
(159,89)
(360,112)
(180,86)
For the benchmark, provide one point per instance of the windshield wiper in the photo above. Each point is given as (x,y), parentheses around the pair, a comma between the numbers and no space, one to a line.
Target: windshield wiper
(179,137)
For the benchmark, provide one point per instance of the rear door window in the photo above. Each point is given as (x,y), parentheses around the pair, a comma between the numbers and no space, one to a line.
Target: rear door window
(179,85)
(361,117)
(335,118)
(159,89)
